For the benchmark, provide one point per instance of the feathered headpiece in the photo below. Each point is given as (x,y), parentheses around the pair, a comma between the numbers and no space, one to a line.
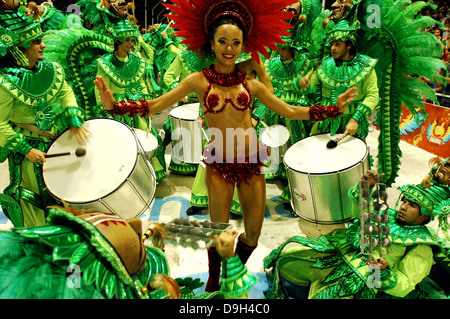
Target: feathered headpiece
(17,30)
(263,21)
(344,30)
(434,201)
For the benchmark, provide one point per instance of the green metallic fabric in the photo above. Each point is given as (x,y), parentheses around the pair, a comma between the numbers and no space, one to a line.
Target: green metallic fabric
(67,252)
(332,265)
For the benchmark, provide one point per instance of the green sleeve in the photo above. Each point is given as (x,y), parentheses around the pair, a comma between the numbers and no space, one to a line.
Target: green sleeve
(7,105)
(10,140)
(406,274)
(148,54)
(370,89)
(73,115)
(149,51)
(173,73)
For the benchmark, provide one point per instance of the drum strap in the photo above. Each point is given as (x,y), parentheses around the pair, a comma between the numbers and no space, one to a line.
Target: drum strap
(35,129)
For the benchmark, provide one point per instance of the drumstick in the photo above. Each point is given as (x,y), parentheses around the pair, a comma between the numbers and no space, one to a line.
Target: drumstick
(78,152)
(267,128)
(204,134)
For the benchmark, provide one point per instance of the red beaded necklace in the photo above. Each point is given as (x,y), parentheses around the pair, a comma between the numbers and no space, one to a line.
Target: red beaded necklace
(224,79)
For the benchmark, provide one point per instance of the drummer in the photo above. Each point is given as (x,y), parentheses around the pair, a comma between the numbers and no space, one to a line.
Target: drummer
(36,105)
(124,72)
(345,68)
(226,96)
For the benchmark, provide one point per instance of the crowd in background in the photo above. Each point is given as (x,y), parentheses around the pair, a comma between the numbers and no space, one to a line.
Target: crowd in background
(442,33)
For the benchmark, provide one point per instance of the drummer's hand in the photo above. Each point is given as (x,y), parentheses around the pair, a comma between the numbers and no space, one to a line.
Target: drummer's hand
(372,177)
(225,243)
(345,99)
(35,156)
(351,127)
(381,263)
(304,82)
(106,95)
(81,133)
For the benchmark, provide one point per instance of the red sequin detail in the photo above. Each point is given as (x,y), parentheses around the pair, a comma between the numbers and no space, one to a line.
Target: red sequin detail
(213,100)
(320,112)
(241,169)
(130,108)
(242,99)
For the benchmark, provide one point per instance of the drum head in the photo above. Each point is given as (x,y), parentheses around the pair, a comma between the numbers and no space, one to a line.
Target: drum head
(111,154)
(188,112)
(311,154)
(147,140)
(275,136)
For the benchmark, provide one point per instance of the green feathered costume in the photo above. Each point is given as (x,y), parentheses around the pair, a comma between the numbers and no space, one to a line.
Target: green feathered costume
(390,33)
(89,53)
(83,255)
(331,265)
(36,106)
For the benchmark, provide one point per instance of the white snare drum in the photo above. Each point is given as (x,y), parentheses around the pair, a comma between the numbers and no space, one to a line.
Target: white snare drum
(187,135)
(276,138)
(320,178)
(113,176)
(148,141)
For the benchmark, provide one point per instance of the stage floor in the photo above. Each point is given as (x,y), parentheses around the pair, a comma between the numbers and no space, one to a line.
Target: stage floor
(172,200)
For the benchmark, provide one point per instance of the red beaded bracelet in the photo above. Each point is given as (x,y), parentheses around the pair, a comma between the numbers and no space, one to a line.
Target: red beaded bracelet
(131,108)
(320,112)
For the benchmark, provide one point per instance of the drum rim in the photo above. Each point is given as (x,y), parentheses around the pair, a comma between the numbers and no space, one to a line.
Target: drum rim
(183,106)
(115,189)
(139,141)
(280,145)
(327,173)
(366,154)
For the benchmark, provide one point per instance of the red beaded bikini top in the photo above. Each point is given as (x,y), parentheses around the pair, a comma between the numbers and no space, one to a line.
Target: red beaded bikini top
(212,96)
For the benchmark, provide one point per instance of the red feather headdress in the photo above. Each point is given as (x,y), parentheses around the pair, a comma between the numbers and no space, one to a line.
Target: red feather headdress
(263,21)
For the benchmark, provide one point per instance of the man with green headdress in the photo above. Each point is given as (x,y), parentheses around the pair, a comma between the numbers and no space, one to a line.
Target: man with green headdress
(346,68)
(334,265)
(36,105)
(124,72)
(292,62)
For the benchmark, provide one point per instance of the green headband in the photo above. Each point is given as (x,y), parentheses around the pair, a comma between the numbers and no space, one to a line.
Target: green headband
(119,29)
(344,31)
(17,30)
(434,201)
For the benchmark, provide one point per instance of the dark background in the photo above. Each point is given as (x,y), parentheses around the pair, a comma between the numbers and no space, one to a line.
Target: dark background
(153,6)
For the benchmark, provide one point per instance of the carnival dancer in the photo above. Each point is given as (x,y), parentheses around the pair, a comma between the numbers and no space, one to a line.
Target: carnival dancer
(226,95)
(199,193)
(334,267)
(36,105)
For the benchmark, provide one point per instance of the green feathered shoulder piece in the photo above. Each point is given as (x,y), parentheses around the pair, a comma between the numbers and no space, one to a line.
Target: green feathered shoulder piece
(391,32)
(74,257)
(78,50)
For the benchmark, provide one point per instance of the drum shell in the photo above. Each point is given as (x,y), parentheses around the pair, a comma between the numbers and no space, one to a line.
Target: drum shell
(148,142)
(128,198)
(187,136)
(132,198)
(323,198)
(275,149)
